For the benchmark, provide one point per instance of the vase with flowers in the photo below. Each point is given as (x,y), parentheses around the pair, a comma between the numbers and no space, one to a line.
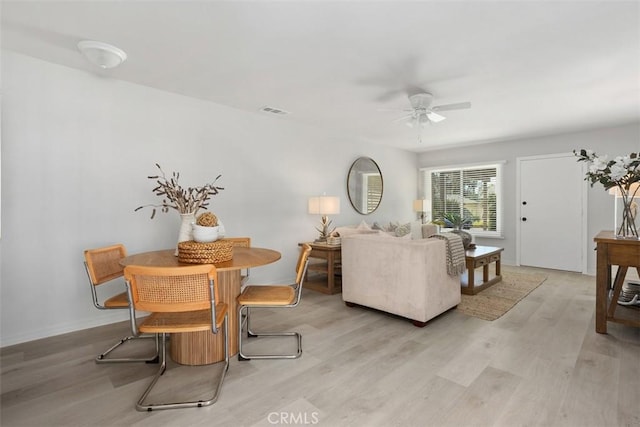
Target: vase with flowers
(621,177)
(186,201)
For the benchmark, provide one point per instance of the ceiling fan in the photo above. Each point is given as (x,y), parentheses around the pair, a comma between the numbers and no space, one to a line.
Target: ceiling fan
(422,113)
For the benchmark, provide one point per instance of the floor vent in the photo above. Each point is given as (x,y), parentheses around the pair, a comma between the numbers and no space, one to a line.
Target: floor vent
(272,110)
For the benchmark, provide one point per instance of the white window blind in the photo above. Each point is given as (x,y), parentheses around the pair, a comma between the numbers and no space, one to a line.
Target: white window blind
(473,192)
(374,191)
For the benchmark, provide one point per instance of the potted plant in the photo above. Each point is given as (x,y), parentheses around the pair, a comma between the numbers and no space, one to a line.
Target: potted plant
(458,223)
(455,220)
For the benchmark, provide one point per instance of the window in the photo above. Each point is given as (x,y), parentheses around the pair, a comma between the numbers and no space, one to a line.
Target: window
(473,192)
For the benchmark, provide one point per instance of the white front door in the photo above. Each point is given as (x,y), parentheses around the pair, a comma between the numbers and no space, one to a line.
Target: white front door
(550,221)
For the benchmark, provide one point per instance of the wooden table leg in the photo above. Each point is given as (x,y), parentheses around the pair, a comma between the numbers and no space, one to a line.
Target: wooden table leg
(485,273)
(331,271)
(471,277)
(204,348)
(603,278)
(617,287)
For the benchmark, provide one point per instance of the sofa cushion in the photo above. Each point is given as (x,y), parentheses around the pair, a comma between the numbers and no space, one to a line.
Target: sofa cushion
(429,230)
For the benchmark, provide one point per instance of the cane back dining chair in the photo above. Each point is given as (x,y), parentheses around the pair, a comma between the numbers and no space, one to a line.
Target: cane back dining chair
(242,242)
(103,266)
(180,299)
(272,296)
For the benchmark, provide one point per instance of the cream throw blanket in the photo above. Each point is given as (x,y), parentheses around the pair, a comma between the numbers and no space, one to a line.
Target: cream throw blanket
(455,253)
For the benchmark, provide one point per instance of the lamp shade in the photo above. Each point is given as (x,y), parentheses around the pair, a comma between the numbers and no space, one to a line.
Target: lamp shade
(420,205)
(324,205)
(633,189)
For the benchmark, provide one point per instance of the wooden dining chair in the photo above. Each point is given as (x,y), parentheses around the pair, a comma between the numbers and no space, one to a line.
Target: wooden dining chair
(103,266)
(272,296)
(243,242)
(180,299)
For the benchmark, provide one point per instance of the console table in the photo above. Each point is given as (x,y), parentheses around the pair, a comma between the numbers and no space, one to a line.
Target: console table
(331,268)
(624,253)
(480,256)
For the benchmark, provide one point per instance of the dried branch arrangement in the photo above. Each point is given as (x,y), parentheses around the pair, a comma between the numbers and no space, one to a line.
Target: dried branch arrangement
(175,197)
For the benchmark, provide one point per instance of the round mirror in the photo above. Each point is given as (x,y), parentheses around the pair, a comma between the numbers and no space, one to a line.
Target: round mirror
(364,185)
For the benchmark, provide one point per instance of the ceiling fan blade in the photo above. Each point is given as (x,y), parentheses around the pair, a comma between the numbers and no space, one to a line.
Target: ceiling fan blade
(447,107)
(399,119)
(395,110)
(434,117)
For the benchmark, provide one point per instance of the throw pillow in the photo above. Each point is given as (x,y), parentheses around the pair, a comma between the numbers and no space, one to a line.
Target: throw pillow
(403,230)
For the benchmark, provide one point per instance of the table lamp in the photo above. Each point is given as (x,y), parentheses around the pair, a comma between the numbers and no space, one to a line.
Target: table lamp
(420,206)
(324,205)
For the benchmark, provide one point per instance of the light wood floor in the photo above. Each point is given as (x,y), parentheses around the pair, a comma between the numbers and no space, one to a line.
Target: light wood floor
(542,364)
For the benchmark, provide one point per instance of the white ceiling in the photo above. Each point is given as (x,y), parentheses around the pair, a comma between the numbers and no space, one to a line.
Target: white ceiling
(528,68)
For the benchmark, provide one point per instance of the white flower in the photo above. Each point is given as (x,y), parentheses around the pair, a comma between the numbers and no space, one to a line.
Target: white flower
(598,164)
(618,171)
(625,161)
(622,171)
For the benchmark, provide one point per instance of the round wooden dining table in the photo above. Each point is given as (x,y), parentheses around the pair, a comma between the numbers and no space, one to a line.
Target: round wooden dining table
(203,348)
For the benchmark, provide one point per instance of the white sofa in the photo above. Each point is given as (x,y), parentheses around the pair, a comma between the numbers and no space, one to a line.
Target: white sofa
(398,275)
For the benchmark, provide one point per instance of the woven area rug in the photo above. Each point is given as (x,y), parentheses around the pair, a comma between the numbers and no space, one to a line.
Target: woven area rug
(496,300)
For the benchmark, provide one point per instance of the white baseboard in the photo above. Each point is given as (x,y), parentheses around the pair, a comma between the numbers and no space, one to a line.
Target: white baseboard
(46,332)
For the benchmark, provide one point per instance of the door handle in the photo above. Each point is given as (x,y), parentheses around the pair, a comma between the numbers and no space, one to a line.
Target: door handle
(524,218)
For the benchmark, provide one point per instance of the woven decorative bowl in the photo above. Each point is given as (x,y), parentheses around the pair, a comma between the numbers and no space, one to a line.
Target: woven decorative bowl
(193,252)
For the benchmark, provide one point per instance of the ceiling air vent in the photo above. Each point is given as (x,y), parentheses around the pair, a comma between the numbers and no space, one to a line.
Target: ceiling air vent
(272,110)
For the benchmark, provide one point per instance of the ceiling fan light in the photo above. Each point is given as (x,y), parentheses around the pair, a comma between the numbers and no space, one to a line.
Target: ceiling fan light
(102,54)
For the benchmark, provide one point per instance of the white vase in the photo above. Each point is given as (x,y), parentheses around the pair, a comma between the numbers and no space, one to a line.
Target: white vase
(185,228)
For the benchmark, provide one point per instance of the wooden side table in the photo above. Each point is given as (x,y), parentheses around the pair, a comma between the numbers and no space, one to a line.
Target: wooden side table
(331,268)
(623,253)
(480,256)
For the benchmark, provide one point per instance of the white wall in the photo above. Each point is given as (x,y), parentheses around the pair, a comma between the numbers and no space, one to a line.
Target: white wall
(614,141)
(76,151)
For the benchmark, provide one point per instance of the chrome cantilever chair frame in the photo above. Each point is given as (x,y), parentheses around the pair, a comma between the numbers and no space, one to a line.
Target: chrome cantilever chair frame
(244,313)
(117,302)
(214,307)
